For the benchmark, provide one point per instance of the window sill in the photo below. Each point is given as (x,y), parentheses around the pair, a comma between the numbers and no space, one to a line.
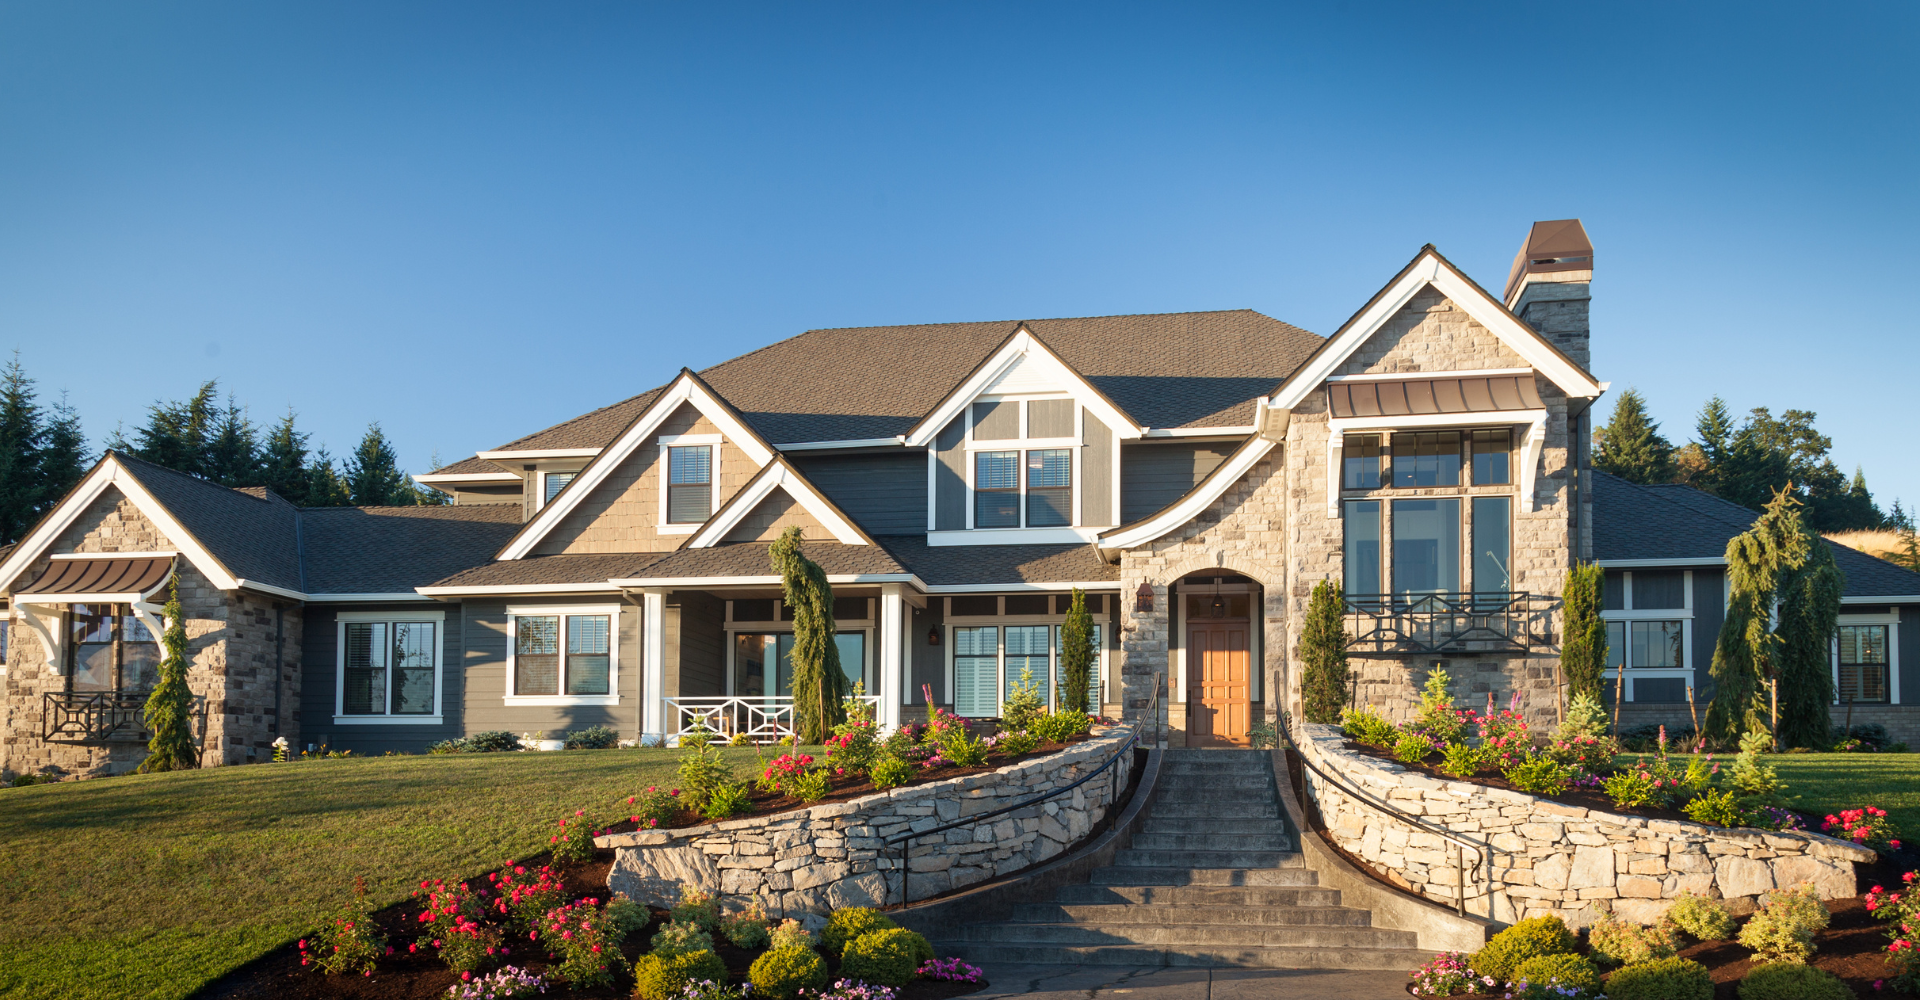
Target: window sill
(1015,536)
(389,720)
(551,700)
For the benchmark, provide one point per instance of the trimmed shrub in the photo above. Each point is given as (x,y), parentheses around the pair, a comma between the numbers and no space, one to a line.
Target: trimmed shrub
(696,906)
(789,933)
(1788,981)
(782,973)
(884,958)
(746,928)
(1705,919)
(662,977)
(891,772)
(1615,942)
(1783,929)
(1058,727)
(1661,979)
(593,738)
(1564,971)
(845,925)
(1530,938)
(682,938)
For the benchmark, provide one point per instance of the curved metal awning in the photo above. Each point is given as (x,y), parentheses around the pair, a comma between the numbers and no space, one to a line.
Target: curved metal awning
(117,578)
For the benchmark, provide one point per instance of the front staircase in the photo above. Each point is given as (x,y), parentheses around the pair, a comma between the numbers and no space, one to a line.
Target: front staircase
(1212,878)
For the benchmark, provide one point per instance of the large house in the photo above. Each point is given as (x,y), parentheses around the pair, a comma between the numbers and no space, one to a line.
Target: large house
(1194,474)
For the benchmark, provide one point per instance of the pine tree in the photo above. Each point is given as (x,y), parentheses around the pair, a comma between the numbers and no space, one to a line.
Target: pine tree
(1323,651)
(373,475)
(179,435)
(22,437)
(1746,656)
(1809,616)
(233,449)
(819,685)
(1077,656)
(1898,519)
(1583,652)
(283,467)
(1631,446)
(169,712)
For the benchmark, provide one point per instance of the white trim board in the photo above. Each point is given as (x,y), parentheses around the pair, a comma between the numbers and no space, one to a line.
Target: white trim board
(1022,349)
(685,390)
(437,618)
(111,473)
(517,612)
(538,453)
(430,478)
(1188,507)
(782,477)
(896,440)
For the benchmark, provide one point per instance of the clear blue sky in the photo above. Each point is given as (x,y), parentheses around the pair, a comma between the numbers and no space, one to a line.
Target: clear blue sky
(469,221)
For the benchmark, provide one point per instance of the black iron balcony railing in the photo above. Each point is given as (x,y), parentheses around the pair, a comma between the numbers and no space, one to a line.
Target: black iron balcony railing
(1437,623)
(99,718)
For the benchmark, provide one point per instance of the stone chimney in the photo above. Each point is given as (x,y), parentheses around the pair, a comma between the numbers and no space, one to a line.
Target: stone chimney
(1548,286)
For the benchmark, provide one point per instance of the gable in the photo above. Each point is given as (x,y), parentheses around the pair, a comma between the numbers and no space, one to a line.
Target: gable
(774,515)
(1431,326)
(1021,366)
(759,508)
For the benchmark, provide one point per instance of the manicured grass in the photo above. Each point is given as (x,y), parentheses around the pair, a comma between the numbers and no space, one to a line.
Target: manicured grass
(1822,783)
(153,885)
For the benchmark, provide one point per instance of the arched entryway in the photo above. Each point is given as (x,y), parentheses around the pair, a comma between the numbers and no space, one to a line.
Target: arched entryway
(1217,640)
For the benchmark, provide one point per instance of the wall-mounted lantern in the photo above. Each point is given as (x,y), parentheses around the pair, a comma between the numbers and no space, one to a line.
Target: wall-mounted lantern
(1143,599)
(933,636)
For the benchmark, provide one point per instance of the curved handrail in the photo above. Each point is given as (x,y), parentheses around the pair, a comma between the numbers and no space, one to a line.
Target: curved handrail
(1482,852)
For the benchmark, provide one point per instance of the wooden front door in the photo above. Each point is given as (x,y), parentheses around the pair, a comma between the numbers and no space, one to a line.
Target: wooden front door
(1218,683)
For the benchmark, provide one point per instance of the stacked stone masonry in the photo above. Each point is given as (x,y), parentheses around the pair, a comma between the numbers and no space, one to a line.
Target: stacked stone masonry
(806,863)
(1551,858)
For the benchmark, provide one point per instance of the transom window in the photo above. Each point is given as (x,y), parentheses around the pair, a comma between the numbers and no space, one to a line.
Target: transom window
(689,483)
(111,650)
(1422,459)
(1426,458)
(388,667)
(1863,663)
(556,653)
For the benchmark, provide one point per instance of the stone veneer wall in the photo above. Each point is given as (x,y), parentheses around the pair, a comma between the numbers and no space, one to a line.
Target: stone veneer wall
(1550,858)
(806,863)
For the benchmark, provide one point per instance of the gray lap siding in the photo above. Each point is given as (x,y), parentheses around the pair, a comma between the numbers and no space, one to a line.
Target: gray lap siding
(320,654)
(484,668)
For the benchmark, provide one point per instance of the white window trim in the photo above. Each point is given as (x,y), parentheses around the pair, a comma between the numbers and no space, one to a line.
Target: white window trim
(540,497)
(866,626)
(669,441)
(1053,624)
(612,611)
(1892,622)
(1063,534)
(1683,615)
(438,618)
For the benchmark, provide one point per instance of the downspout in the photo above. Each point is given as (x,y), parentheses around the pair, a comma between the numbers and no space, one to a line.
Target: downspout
(279,660)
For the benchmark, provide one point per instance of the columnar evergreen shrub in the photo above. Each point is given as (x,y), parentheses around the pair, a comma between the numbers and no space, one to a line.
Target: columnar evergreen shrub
(1077,656)
(1583,652)
(1323,648)
(819,685)
(169,711)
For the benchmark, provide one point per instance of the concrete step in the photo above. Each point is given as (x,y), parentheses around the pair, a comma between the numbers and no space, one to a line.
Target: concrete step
(1214,787)
(1216,765)
(1157,955)
(1303,891)
(1201,936)
(1134,858)
(1232,809)
(1118,914)
(1212,841)
(1293,873)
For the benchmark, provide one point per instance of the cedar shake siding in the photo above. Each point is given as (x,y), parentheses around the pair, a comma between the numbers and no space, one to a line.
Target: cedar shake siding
(775,513)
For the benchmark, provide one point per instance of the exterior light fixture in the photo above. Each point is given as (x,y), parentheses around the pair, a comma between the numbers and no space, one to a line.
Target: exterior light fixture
(1143,599)
(933,636)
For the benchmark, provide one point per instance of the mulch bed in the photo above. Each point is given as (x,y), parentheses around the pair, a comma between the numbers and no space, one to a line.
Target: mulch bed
(421,976)
(1586,798)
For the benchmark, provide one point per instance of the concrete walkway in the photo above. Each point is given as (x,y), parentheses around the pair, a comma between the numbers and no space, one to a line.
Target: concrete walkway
(1115,982)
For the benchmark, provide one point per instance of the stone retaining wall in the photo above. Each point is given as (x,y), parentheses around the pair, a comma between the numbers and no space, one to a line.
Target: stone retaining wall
(1550,858)
(805,863)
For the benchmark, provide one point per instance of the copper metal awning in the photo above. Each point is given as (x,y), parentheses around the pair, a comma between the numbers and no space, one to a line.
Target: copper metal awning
(100,577)
(1420,396)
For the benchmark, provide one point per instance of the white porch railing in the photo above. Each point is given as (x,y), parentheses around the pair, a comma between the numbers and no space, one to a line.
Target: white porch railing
(759,719)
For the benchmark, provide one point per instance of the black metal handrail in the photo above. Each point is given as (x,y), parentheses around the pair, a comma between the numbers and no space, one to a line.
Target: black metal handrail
(91,718)
(1483,853)
(906,881)
(1432,623)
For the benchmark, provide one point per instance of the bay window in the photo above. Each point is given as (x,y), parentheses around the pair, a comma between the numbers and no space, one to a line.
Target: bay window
(562,656)
(388,667)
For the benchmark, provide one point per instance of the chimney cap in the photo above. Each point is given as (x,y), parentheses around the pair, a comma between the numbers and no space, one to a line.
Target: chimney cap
(1558,245)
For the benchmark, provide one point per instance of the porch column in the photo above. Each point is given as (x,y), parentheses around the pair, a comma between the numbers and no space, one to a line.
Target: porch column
(653,662)
(893,610)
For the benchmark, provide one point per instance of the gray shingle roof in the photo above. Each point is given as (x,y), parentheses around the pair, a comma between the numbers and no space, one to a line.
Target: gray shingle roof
(998,564)
(383,550)
(1680,523)
(253,536)
(1200,369)
(467,466)
(751,559)
(537,570)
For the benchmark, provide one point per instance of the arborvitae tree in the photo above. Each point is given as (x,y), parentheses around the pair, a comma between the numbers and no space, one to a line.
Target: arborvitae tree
(1077,656)
(1583,649)
(818,683)
(178,435)
(1631,446)
(169,712)
(1808,618)
(373,475)
(1323,651)
(1745,658)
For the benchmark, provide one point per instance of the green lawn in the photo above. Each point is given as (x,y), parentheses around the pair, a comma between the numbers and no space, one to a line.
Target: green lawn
(152,885)
(1822,783)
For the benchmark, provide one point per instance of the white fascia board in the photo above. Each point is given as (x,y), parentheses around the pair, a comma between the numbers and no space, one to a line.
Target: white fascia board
(407,595)
(1479,418)
(197,554)
(255,585)
(1431,270)
(716,528)
(1021,588)
(529,589)
(676,582)
(1021,344)
(683,390)
(1189,507)
(898,439)
(536,453)
(1195,432)
(429,478)
(1013,536)
(1902,599)
(1679,563)
(1416,376)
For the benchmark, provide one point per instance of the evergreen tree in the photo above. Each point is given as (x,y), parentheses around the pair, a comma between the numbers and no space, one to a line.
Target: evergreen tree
(1583,650)
(373,475)
(1077,656)
(233,449)
(325,486)
(819,685)
(1323,651)
(1746,655)
(63,456)
(169,712)
(1809,616)
(22,436)
(1700,463)
(1898,519)
(179,435)
(283,465)
(1631,446)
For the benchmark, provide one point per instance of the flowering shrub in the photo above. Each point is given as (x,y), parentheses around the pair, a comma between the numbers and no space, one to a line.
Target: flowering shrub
(1438,719)
(1867,826)
(583,942)
(1586,754)
(853,747)
(450,919)
(853,989)
(654,806)
(1776,818)
(525,901)
(1448,973)
(1901,912)
(950,970)
(1630,789)
(1412,748)
(507,984)
(696,906)
(786,769)
(349,941)
(574,843)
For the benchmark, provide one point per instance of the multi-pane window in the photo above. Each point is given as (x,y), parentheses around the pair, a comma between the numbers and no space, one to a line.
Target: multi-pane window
(1863,663)
(1027,650)
(1426,458)
(1093,669)
(976,656)
(1360,462)
(996,489)
(110,651)
(1426,545)
(1649,645)
(540,667)
(1491,451)
(689,483)
(998,500)
(1362,547)
(387,668)
(555,482)
(763,661)
(1049,488)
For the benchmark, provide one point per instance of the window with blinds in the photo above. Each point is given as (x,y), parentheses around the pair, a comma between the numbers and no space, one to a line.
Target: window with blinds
(387,668)
(689,484)
(1863,663)
(556,653)
(555,482)
(976,658)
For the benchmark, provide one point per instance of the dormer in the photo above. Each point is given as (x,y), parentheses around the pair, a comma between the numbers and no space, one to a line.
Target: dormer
(1025,451)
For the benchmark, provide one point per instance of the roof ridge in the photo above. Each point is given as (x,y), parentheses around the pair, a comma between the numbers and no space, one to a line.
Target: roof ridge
(189,477)
(1050,319)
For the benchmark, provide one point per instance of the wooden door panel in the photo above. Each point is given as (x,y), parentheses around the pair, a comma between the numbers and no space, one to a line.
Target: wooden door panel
(1218,670)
